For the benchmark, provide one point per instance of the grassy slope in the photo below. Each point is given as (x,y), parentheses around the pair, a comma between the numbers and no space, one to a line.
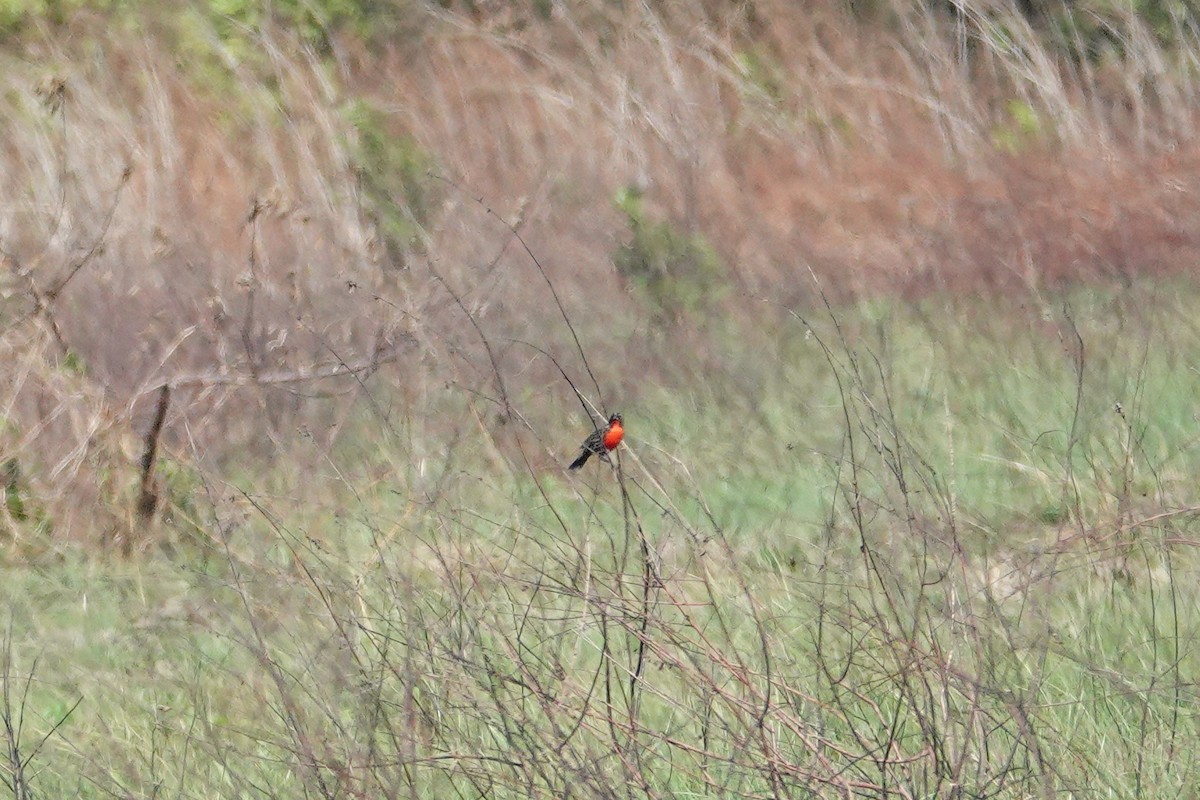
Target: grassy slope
(997,619)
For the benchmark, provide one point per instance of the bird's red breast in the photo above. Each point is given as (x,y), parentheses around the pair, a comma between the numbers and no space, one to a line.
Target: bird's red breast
(612,436)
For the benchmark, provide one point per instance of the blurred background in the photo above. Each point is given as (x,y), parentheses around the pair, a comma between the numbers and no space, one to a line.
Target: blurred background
(208,195)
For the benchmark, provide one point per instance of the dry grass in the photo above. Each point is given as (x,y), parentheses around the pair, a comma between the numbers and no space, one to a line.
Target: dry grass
(909,150)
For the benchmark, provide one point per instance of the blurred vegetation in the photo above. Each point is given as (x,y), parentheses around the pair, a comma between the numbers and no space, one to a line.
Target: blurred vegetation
(14,500)
(394,176)
(236,22)
(1023,128)
(1087,30)
(678,273)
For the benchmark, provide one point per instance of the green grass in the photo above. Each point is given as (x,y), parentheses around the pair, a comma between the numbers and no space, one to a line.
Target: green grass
(985,580)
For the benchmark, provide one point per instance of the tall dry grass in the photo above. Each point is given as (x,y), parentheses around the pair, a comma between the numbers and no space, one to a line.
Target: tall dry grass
(217,222)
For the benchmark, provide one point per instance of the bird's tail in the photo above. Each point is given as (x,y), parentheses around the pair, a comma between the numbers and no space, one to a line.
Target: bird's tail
(579,462)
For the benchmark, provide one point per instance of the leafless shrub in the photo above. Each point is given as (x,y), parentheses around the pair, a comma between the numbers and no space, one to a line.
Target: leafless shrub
(601,641)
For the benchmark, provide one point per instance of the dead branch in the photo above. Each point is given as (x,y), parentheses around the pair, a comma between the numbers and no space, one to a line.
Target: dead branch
(148,496)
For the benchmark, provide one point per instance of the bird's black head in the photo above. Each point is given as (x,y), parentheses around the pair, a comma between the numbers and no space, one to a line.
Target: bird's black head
(614,418)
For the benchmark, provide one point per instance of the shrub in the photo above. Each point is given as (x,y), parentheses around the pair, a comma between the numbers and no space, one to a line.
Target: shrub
(679,273)
(392,172)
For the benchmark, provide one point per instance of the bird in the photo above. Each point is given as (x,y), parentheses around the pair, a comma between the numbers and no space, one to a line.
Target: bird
(600,442)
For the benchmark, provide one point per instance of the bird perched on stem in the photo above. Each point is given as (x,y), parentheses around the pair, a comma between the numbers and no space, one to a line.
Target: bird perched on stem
(600,442)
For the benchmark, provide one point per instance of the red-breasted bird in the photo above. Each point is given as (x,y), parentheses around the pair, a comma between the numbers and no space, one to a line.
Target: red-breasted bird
(600,442)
